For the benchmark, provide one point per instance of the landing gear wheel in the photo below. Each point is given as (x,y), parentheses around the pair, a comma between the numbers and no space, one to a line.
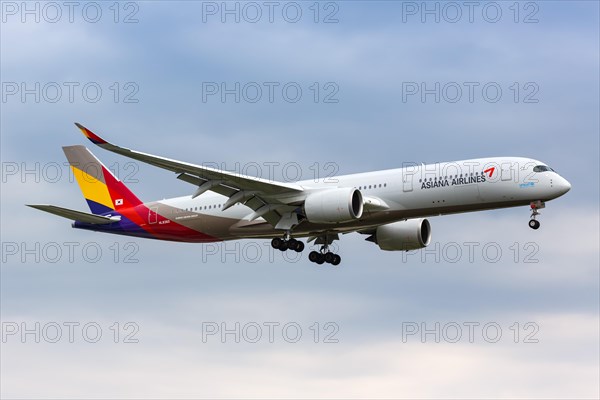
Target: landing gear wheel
(292,243)
(283,246)
(287,243)
(313,256)
(329,257)
(534,224)
(323,255)
(320,258)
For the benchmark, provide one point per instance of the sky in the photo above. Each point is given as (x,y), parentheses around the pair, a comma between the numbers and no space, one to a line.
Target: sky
(491,309)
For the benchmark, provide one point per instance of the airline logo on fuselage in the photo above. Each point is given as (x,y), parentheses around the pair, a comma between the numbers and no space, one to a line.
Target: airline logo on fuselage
(457,181)
(453,182)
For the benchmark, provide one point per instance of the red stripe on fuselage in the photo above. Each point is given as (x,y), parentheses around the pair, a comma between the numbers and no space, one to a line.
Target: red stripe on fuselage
(164,228)
(137,212)
(167,228)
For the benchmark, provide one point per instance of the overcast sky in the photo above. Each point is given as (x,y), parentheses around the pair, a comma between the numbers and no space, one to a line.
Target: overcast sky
(490,309)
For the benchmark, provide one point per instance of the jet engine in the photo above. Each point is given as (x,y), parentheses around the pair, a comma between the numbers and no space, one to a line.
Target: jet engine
(334,205)
(403,235)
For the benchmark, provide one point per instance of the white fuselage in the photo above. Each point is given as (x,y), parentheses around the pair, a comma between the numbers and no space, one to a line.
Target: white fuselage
(410,192)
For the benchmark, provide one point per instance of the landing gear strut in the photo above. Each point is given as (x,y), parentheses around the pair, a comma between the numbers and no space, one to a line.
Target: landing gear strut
(287,243)
(535,205)
(324,256)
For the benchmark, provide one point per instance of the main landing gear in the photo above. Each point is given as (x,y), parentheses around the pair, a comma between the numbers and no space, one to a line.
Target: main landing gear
(287,244)
(535,205)
(324,256)
(320,257)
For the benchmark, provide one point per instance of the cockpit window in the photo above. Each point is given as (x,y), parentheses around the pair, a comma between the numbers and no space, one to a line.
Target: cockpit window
(542,168)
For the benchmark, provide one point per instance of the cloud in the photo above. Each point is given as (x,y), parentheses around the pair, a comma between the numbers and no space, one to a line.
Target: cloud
(169,363)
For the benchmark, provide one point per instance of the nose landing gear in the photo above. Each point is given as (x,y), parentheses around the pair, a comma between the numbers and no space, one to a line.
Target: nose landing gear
(535,205)
(534,224)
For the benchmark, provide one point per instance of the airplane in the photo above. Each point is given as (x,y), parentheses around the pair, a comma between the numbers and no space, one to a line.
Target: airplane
(390,207)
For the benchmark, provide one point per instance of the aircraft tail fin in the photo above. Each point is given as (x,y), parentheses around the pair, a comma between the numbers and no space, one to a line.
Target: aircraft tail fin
(101,189)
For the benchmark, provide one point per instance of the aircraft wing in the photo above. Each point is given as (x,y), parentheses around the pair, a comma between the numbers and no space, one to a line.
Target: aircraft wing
(76,215)
(269,199)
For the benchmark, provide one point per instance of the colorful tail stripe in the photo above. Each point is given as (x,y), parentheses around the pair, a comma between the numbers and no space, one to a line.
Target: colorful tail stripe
(105,194)
(101,189)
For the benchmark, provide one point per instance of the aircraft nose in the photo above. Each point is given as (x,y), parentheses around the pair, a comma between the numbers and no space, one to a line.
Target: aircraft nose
(562,185)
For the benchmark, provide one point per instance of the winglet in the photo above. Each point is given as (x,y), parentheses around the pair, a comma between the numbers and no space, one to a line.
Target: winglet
(91,135)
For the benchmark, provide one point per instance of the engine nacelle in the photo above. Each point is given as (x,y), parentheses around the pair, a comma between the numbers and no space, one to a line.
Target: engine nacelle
(334,205)
(403,235)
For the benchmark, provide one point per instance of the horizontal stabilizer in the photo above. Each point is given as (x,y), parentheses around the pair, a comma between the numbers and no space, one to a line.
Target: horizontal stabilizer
(76,215)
